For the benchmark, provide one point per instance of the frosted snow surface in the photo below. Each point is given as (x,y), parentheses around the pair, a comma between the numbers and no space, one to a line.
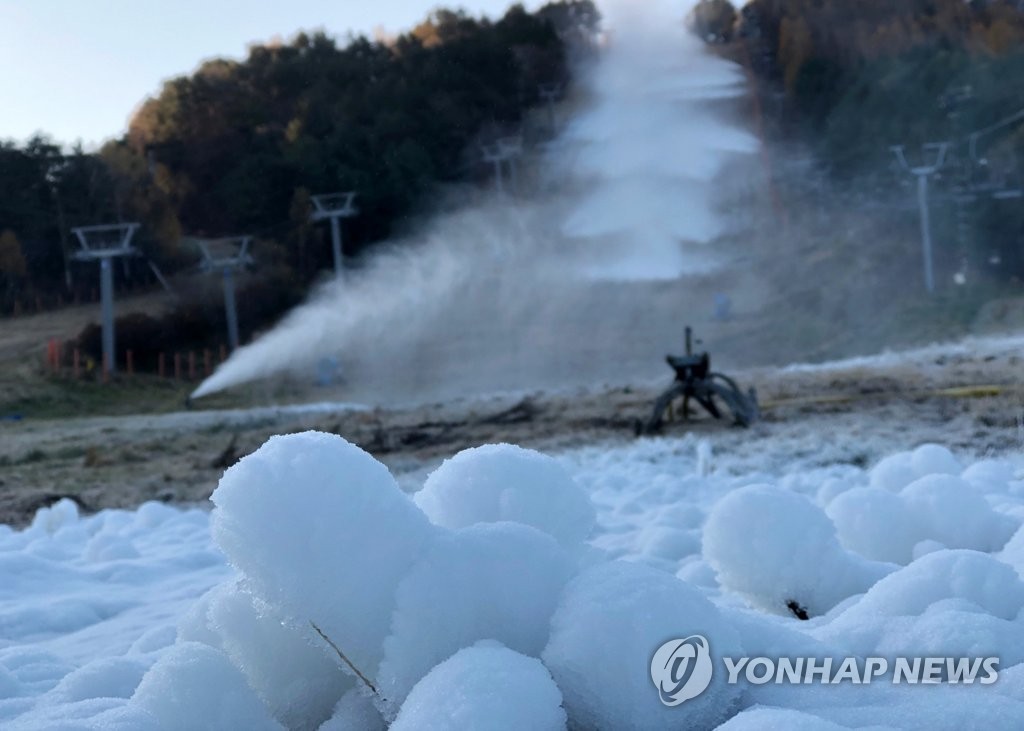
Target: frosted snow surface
(318,594)
(495,581)
(319,502)
(610,619)
(485,687)
(775,547)
(499,482)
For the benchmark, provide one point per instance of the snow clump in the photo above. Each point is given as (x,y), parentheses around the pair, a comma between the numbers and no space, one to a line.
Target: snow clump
(932,512)
(195,686)
(779,550)
(291,672)
(322,530)
(898,470)
(946,604)
(485,687)
(350,598)
(609,622)
(502,482)
(877,524)
(497,581)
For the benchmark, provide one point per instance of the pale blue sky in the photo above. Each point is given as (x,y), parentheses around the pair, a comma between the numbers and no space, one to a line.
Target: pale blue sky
(76,69)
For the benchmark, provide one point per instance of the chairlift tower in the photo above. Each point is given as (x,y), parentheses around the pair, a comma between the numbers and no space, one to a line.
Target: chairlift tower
(496,156)
(334,206)
(549,93)
(923,173)
(104,243)
(227,255)
(504,150)
(999,189)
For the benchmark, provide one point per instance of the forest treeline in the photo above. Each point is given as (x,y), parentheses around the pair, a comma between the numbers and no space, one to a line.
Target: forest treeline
(238,147)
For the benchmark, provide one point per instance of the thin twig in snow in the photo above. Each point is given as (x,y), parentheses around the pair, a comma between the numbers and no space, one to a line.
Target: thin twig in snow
(344,659)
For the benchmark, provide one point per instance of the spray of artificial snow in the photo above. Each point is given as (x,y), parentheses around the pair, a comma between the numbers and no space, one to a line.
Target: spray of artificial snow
(649,147)
(510,295)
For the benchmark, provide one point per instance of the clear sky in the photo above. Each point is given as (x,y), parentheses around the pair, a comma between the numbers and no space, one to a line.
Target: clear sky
(76,69)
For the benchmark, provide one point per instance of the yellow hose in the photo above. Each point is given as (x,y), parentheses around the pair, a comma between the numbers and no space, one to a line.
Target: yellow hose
(964,392)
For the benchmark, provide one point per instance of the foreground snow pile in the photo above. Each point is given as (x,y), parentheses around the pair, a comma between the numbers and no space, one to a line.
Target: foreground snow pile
(779,550)
(611,618)
(516,591)
(499,483)
(484,687)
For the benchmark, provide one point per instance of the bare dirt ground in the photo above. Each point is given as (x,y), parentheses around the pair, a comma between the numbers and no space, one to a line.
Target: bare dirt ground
(968,396)
(23,342)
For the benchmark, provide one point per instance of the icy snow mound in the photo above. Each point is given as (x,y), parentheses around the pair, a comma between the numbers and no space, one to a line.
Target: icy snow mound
(609,621)
(498,581)
(503,482)
(286,665)
(321,529)
(196,687)
(877,524)
(898,470)
(955,515)
(935,511)
(486,687)
(944,604)
(779,551)
(350,598)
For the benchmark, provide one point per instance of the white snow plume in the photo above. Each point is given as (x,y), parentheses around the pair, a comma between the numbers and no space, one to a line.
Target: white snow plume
(385,305)
(463,283)
(505,295)
(649,145)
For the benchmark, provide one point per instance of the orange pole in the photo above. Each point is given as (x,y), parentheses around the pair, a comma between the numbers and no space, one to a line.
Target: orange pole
(129,362)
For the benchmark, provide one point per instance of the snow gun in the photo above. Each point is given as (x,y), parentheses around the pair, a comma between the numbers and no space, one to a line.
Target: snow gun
(695,380)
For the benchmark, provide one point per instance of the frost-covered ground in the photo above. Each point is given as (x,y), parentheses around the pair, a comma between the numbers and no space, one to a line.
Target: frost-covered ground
(516,591)
(868,407)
